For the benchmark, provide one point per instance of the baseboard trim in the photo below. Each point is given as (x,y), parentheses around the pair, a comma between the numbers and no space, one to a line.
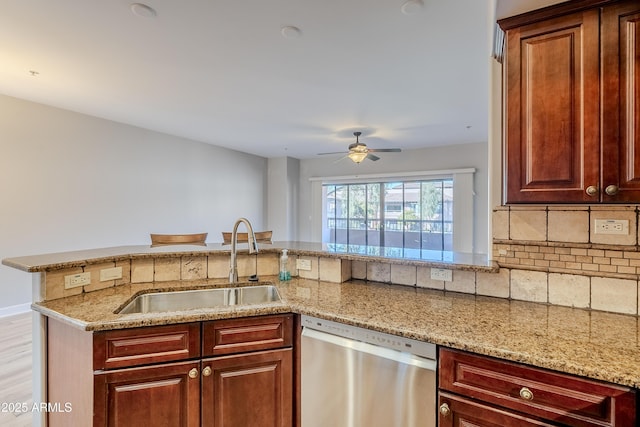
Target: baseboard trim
(12,310)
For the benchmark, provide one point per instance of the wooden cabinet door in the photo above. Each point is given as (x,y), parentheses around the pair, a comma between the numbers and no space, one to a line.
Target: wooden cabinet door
(621,102)
(157,395)
(461,412)
(552,112)
(252,389)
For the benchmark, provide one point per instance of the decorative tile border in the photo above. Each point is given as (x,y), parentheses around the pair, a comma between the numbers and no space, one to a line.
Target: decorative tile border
(579,259)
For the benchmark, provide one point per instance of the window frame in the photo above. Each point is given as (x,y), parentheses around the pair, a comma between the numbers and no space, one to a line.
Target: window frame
(463,199)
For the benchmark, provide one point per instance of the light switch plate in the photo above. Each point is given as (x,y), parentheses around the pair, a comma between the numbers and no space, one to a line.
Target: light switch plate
(112,273)
(441,274)
(303,264)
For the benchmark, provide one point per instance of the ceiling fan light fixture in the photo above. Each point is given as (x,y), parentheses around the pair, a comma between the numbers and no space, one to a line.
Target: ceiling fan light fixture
(357,156)
(358,151)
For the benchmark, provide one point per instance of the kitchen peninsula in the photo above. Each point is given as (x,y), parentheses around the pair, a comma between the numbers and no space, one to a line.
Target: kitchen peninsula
(349,288)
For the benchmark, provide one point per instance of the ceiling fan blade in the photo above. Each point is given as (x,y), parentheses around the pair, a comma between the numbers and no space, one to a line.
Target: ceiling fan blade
(334,152)
(372,157)
(385,150)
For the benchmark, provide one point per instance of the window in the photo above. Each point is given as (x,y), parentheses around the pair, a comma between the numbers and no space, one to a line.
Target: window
(430,210)
(411,214)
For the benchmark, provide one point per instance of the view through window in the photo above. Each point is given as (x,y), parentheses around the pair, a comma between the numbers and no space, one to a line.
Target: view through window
(408,214)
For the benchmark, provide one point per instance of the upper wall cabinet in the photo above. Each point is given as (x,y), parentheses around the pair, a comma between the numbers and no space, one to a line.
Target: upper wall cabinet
(572,103)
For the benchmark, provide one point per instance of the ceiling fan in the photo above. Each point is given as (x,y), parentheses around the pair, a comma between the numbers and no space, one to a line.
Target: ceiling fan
(358,151)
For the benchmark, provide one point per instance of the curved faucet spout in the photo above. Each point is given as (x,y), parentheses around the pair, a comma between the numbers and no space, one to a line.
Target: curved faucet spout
(251,240)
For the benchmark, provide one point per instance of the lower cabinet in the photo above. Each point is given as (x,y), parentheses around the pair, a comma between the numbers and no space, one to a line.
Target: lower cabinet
(253,389)
(226,373)
(482,391)
(150,395)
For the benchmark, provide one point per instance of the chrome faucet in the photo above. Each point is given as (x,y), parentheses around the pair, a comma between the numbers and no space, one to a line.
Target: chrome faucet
(251,240)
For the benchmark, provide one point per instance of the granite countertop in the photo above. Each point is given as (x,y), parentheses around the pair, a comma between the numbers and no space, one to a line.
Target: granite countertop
(429,258)
(593,344)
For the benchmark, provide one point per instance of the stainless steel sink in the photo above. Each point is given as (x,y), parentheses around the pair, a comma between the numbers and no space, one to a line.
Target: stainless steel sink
(201,298)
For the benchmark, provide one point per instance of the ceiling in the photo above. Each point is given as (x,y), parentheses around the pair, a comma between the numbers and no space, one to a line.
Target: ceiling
(407,73)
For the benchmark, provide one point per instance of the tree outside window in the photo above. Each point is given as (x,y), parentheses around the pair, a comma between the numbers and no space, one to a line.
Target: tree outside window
(409,214)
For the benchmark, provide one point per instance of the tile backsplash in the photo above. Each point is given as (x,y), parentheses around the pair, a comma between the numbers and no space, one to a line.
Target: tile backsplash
(180,270)
(554,254)
(158,270)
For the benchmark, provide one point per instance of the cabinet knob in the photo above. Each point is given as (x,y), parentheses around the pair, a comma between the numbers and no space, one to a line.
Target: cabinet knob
(612,190)
(526,394)
(592,190)
(444,410)
(206,371)
(193,373)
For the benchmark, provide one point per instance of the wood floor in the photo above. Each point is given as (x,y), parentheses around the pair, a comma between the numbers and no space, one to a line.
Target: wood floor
(15,370)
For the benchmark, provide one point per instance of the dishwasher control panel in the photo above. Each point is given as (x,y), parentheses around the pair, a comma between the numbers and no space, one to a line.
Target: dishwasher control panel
(407,345)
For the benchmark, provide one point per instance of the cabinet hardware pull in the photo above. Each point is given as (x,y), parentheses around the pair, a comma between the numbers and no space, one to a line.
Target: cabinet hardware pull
(612,190)
(206,371)
(193,373)
(526,394)
(592,190)
(444,410)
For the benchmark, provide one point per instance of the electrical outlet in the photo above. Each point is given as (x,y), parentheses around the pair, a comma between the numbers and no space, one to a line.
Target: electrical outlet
(612,226)
(112,273)
(303,264)
(75,280)
(441,274)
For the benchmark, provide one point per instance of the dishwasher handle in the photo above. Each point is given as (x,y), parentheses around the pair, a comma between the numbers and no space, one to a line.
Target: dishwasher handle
(376,350)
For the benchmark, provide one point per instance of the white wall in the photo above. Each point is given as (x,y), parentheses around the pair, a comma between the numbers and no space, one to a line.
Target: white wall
(70,181)
(283,178)
(436,158)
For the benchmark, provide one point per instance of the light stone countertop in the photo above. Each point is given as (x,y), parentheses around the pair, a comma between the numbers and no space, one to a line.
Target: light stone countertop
(428,258)
(593,344)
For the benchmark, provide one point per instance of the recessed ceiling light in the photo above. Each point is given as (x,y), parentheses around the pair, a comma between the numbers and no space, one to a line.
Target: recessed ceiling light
(290,32)
(411,7)
(143,11)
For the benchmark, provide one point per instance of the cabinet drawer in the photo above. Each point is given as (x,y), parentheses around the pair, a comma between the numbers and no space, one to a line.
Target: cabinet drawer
(537,392)
(141,346)
(462,412)
(247,334)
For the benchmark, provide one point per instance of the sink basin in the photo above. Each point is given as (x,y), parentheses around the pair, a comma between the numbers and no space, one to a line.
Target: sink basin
(201,298)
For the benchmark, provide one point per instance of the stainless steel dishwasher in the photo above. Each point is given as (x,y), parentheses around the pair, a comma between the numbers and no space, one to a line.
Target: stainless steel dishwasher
(354,377)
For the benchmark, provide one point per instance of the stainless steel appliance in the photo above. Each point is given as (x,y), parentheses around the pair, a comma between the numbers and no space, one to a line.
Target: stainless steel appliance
(354,377)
